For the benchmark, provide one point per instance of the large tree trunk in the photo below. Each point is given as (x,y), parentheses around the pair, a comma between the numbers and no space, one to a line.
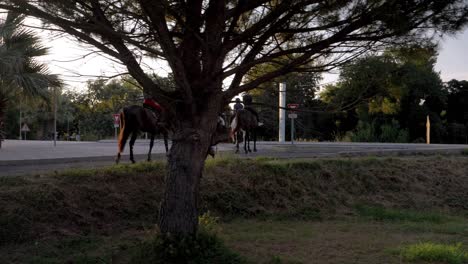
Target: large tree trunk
(191,141)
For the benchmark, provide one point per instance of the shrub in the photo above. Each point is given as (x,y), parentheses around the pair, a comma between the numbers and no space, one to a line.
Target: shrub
(393,133)
(202,248)
(365,132)
(209,223)
(433,252)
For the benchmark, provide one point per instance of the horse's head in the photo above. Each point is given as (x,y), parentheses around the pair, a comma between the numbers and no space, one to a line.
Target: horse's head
(221,122)
(222,131)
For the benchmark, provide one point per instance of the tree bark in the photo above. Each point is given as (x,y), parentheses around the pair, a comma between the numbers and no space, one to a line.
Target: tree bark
(191,142)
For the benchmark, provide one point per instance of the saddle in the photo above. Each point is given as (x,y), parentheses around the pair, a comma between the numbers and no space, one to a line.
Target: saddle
(150,107)
(251,110)
(155,115)
(157,119)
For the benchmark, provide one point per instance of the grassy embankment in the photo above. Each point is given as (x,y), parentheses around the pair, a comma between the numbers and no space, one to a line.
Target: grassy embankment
(359,210)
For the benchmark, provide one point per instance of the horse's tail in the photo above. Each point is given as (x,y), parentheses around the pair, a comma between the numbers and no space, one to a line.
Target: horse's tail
(234,127)
(122,137)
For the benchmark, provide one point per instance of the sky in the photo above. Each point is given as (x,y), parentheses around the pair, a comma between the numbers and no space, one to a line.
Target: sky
(73,62)
(452,62)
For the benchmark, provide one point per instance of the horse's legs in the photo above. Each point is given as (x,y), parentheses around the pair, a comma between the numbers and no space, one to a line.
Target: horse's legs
(237,142)
(165,141)
(132,142)
(254,132)
(151,146)
(246,139)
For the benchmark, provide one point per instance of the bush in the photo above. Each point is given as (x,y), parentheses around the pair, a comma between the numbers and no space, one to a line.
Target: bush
(209,223)
(457,133)
(202,248)
(393,133)
(365,132)
(432,252)
(371,132)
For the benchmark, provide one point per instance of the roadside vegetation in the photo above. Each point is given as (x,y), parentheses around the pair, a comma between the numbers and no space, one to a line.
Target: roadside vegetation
(434,252)
(339,210)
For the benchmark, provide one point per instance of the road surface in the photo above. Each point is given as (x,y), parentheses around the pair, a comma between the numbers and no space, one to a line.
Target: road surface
(37,157)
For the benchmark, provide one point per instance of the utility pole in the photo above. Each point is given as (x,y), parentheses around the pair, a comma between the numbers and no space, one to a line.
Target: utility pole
(68,128)
(292,131)
(292,115)
(55,116)
(20,137)
(282,113)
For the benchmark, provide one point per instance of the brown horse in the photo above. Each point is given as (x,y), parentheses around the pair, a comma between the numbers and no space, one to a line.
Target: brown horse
(134,119)
(245,121)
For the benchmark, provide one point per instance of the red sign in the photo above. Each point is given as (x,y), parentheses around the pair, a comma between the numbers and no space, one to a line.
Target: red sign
(293,106)
(116,120)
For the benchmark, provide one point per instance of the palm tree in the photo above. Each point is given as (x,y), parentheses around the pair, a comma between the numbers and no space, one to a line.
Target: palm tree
(20,72)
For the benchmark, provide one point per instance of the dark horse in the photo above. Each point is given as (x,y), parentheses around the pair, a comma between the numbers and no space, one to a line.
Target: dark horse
(244,120)
(134,119)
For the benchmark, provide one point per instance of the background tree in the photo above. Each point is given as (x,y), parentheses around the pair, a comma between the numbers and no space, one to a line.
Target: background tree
(20,72)
(94,108)
(383,92)
(457,111)
(301,89)
(207,41)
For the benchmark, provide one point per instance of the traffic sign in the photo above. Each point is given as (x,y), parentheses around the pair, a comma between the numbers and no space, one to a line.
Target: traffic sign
(292,116)
(116,120)
(292,106)
(25,128)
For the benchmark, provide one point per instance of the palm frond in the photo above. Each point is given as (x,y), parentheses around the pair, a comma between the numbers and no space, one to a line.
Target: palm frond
(11,24)
(19,68)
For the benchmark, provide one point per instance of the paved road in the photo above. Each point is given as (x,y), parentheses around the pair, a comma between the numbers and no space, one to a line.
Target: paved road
(37,157)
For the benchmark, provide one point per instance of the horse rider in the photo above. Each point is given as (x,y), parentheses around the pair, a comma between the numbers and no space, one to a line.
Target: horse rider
(152,105)
(247,99)
(238,105)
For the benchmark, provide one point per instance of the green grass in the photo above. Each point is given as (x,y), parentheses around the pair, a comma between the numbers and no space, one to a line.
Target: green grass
(121,170)
(273,205)
(238,241)
(455,225)
(384,214)
(433,252)
(328,241)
